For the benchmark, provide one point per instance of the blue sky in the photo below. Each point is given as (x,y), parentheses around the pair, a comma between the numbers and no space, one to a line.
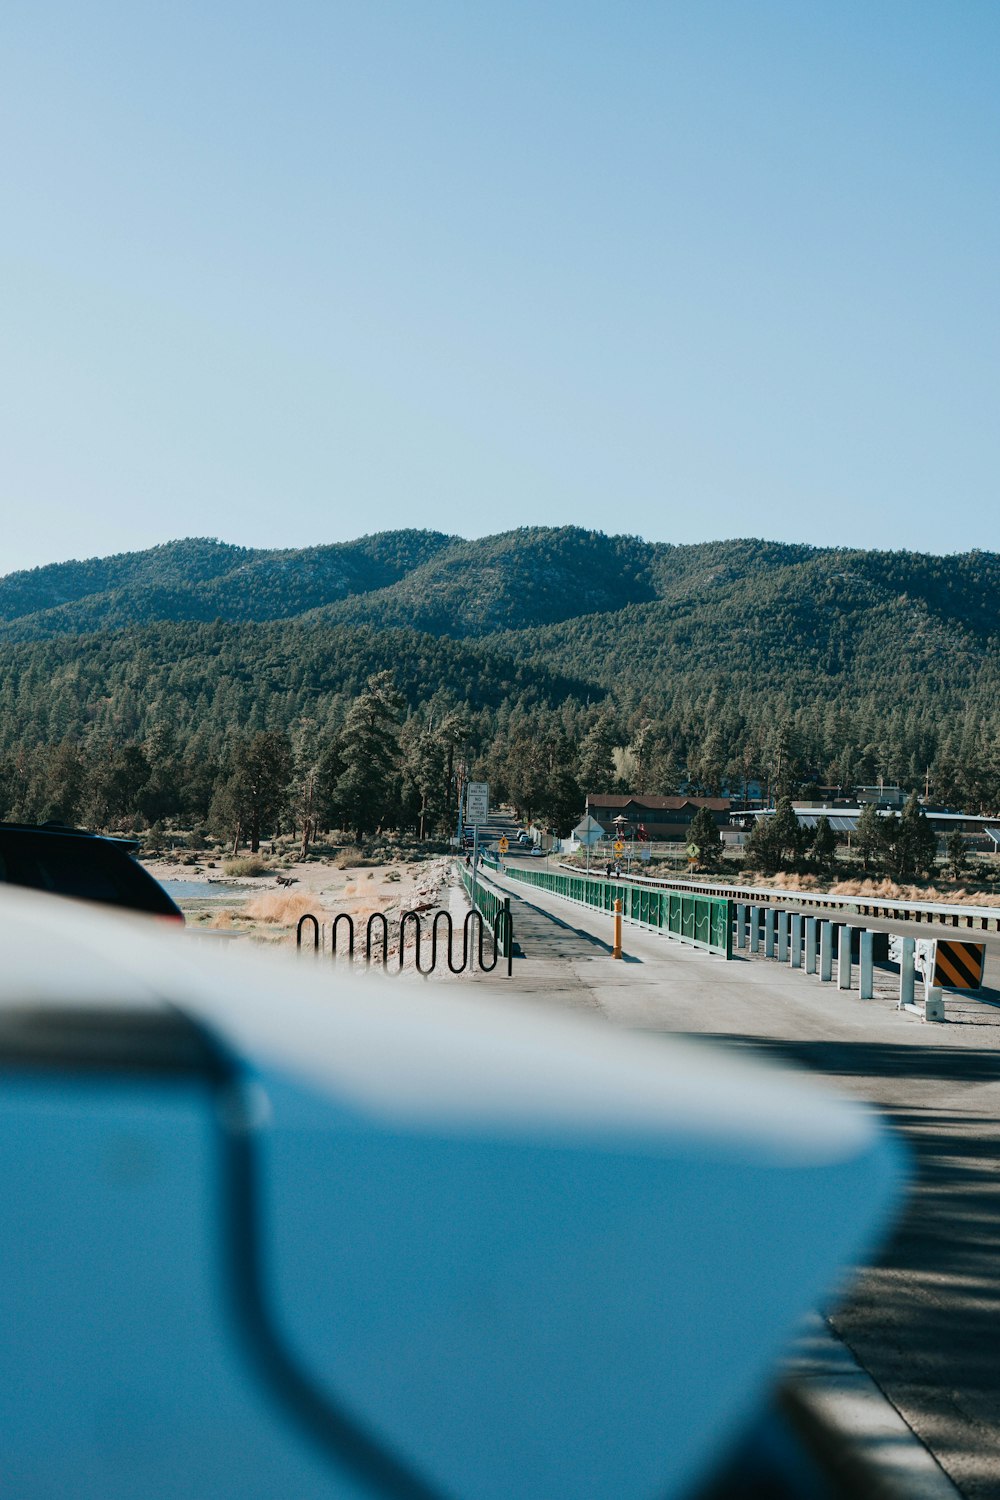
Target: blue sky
(289,274)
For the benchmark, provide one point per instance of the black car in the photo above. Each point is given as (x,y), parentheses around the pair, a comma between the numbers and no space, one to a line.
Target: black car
(73,862)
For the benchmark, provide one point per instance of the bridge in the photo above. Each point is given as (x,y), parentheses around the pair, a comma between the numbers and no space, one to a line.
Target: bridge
(921,1317)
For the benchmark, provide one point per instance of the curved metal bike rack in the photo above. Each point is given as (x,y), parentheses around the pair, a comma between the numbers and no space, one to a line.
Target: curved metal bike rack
(474,946)
(308,917)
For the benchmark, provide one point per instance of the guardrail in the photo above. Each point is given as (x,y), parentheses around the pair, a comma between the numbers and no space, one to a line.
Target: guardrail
(496,911)
(986,918)
(698,918)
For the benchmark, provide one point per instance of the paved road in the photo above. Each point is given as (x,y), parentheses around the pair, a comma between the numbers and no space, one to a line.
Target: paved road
(923,1320)
(877,924)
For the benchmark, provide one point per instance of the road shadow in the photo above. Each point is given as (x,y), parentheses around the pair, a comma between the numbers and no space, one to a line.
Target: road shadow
(922,1317)
(595,943)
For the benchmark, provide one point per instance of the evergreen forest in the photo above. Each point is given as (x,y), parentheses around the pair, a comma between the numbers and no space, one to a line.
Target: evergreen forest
(351,685)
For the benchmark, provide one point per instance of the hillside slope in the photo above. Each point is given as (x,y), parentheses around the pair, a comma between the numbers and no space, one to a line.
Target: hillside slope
(908,625)
(547,610)
(203,580)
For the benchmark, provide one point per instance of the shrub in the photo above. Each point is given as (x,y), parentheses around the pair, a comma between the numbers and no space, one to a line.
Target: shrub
(247,864)
(283,908)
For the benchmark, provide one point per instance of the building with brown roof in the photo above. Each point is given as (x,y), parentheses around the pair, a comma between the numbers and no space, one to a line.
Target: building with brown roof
(662,819)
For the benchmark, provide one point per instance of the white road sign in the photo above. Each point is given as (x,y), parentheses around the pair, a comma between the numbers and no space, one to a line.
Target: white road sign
(477,802)
(589,831)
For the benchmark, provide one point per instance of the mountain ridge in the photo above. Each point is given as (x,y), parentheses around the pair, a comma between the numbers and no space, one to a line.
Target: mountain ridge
(729,658)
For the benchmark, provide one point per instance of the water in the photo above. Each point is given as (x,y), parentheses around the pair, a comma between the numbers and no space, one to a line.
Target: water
(198,890)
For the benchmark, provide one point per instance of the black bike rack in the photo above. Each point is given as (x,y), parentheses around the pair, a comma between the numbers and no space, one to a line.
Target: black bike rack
(473,950)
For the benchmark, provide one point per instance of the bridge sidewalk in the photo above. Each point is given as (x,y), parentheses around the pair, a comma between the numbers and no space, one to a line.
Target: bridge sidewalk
(922,1320)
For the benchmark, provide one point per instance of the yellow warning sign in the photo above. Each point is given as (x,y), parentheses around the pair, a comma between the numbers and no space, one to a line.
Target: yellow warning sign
(619,846)
(959,966)
(503,845)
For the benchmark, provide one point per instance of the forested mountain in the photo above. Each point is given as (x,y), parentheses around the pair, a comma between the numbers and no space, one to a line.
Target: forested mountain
(889,624)
(203,580)
(211,680)
(571,658)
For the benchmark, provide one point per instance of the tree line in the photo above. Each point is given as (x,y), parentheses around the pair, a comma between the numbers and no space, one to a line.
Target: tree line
(379,762)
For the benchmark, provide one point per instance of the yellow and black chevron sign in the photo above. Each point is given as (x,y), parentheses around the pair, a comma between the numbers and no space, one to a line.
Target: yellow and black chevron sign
(959,966)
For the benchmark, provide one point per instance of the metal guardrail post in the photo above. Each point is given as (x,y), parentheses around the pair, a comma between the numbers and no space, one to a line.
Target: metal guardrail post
(795,956)
(812,926)
(907,972)
(843,958)
(866,967)
(754,929)
(508,935)
(741,925)
(782,937)
(769,932)
(826,951)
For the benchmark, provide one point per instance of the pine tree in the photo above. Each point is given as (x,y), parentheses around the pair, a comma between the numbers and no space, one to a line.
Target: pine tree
(915,843)
(958,854)
(597,762)
(868,836)
(824,844)
(253,793)
(762,850)
(786,832)
(366,790)
(704,832)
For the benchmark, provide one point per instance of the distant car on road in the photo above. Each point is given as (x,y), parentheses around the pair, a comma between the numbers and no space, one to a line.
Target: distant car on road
(73,862)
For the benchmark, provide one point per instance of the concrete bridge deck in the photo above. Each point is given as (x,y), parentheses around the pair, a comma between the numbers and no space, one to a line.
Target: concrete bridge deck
(923,1320)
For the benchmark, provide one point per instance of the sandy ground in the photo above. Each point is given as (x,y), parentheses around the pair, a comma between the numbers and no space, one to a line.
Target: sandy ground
(266,909)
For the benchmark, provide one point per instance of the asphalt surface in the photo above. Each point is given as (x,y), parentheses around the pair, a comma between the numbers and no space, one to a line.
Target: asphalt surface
(922,1320)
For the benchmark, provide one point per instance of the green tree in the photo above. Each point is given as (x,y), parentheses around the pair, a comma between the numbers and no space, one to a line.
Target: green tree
(776,841)
(453,732)
(868,838)
(562,801)
(424,779)
(788,834)
(824,845)
(958,854)
(597,760)
(367,791)
(117,783)
(762,850)
(911,840)
(252,795)
(524,775)
(704,831)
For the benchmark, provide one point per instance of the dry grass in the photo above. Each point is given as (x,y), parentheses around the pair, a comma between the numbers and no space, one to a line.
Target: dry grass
(247,864)
(347,859)
(225,918)
(282,908)
(788,881)
(886,890)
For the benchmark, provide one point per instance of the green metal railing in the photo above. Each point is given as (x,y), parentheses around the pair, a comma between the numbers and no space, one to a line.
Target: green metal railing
(703,921)
(495,910)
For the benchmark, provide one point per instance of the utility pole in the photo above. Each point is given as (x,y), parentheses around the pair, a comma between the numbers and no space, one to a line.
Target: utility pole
(307,817)
(461,789)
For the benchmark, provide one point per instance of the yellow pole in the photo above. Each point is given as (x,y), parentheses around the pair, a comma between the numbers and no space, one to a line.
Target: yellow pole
(616,952)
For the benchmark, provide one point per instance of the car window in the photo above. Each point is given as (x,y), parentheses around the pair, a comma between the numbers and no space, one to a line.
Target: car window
(84,868)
